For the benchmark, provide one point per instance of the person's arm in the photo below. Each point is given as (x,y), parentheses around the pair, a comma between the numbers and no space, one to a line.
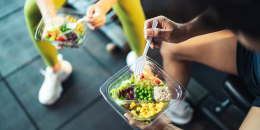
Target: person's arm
(202,24)
(44,5)
(252,120)
(173,32)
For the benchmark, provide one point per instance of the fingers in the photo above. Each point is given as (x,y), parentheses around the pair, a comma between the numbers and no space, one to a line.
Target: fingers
(161,34)
(96,24)
(147,25)
(59,47)
(149,22)
(161,31)
(157,33)
(147,33)
(130,119)
(90,11)
(97,18)
(155,44)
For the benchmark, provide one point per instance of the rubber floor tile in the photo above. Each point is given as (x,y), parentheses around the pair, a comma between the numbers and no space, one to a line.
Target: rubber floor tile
(96,45)
(12,116)
(100,116)
(79,90)
(16,46)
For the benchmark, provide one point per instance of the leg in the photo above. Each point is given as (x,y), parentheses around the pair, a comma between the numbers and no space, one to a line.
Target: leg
(216,50)
(46,49)
(57,71)
(132,17)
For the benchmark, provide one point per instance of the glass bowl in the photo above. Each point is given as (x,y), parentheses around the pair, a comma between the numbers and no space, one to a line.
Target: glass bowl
(122,104)
(55,31)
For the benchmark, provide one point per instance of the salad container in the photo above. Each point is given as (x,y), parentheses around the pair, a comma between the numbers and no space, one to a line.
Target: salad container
(145,96)
(55,30)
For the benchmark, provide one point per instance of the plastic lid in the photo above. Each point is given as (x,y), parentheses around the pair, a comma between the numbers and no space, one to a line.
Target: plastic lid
(122,92)
(56,32)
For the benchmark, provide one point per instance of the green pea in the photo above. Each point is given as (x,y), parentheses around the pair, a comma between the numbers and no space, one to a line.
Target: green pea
(145,98)
(141,88)
(150,92)
(140,93)
(141,97)
(150,99)
(150,95)
(145,89)
(137,91)
(149,89)
(145,92)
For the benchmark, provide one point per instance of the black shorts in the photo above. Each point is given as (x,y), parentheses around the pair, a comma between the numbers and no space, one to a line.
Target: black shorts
(248,68)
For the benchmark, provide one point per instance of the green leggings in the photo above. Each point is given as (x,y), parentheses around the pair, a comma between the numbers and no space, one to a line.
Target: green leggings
(129,12)
(132,17)
(33,17)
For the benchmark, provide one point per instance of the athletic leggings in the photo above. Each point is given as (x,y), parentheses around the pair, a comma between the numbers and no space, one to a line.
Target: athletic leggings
(130,13)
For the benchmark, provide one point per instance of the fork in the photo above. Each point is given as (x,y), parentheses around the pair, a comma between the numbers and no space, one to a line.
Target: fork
(140,63)
(74,25)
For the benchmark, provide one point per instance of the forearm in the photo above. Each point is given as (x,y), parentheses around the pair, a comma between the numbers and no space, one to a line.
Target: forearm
(106,5)
(251,122)
(44,5)
(202,24)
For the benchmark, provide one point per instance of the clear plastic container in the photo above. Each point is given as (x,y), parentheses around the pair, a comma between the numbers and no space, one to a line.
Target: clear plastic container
(53,32)
(177,92)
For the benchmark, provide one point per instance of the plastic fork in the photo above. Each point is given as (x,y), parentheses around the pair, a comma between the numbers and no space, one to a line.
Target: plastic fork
(72,26)
(140,63)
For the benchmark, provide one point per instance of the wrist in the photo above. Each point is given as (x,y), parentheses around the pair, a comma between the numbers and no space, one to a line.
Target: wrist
(179,33)
(185,31)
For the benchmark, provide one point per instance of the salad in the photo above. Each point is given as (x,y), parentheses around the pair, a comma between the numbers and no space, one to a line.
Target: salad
(144,96)
(64,36)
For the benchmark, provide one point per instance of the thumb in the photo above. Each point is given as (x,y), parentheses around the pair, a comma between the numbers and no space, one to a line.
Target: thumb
(90,11)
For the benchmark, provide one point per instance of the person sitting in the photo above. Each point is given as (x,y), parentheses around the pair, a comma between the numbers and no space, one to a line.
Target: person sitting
(224,37)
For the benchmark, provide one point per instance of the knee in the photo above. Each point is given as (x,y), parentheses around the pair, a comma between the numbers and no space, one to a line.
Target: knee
(170,51)
(27,7)
(30,8)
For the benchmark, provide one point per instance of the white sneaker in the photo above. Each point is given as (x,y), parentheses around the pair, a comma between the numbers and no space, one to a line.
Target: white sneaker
(180,115)
(130,59)
(51,88)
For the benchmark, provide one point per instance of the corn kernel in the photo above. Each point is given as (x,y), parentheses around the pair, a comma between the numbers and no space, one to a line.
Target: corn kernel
(152,113)
(134,112)
(79,28)
(142,110)
(68,17)
(74,20)
(132,105)
(141,115)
